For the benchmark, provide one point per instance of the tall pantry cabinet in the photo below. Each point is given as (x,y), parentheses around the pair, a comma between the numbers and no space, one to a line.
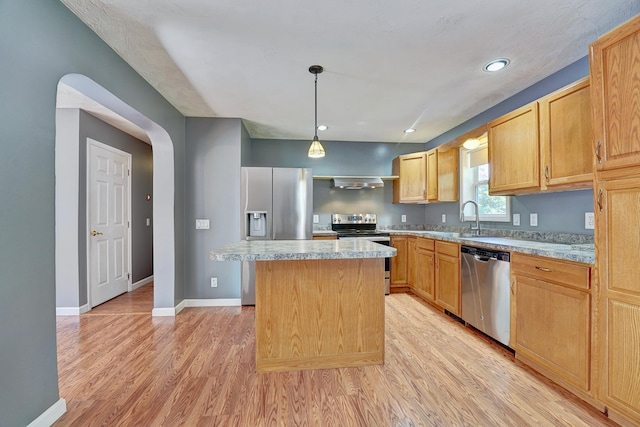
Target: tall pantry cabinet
(615,94)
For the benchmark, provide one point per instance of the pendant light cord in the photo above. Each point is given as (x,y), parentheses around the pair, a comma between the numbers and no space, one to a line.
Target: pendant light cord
(316,107)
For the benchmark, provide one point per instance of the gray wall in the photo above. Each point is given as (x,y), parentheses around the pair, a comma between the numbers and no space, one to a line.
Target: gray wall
(557,212)
(343,158)
(41,41)
(213,192)
(561,212)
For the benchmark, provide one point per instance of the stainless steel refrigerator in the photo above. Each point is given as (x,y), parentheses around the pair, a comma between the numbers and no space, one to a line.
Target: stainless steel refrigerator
(276,204)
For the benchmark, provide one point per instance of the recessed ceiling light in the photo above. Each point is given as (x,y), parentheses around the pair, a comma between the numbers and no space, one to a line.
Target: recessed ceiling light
(410,130)
(323,127)
(496,64)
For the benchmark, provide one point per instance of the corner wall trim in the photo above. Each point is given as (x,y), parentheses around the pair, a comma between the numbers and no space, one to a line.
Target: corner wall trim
(72,311)
(51,415)
(140,283)
(164,312)
(229,302)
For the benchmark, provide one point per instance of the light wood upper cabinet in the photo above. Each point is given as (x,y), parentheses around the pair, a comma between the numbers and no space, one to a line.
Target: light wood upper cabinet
(447,174)
(447,292)
(551,318)
(615,90)
(545,145)
(410,187)
(514,152)
(430,176)
(566,138)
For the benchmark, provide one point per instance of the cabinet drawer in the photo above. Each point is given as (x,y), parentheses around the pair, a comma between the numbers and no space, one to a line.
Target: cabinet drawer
(425,244)
(447,248)
(563,272)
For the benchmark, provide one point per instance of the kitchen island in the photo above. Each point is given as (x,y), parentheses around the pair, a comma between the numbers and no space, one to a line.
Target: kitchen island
(319,303)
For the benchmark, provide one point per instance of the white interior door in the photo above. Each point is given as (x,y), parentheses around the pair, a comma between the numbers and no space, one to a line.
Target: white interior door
(108,219)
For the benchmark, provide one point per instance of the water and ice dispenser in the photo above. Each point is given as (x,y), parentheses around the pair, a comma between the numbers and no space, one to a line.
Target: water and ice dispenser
(256,224)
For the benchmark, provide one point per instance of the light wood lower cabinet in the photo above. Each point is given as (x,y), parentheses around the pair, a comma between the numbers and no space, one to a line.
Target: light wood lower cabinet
(325,237)
(412,264)
(447,283)
(618,216)
(425,269)
(551,319)
(399,263)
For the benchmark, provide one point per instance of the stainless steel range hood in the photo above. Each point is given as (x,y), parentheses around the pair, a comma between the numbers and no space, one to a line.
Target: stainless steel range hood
(356,182)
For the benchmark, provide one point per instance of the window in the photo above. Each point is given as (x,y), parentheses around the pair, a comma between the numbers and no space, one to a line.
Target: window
(474,185)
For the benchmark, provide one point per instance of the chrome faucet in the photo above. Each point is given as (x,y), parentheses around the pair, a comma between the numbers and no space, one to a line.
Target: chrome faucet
(477,215)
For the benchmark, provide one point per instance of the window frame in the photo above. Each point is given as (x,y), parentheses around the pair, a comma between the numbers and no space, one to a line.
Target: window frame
(469,183)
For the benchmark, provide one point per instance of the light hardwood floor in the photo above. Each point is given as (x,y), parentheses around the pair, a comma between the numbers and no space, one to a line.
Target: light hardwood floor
(198,369)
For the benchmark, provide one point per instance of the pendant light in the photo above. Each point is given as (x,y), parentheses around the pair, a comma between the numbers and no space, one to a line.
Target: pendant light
(316,150)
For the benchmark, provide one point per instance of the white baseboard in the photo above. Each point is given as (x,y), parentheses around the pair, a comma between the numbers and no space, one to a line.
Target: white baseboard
(72,311)
(229,302)
(140,283)
(172,311)
(51,415)
(180,306)
(164,312)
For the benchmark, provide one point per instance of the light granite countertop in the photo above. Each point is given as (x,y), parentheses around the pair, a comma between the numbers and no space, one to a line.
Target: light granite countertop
(287,250)
(583,253)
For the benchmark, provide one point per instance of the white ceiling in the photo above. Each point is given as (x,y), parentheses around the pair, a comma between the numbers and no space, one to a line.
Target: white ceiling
(389,65)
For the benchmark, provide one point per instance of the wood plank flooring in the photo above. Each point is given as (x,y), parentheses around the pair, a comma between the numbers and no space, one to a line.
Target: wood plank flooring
(198,369)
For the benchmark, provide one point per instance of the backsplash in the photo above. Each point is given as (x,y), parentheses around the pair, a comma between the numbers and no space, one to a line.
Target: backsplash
(536,236)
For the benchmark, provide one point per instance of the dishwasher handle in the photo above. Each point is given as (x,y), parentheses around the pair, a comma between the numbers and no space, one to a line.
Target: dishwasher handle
(482,258)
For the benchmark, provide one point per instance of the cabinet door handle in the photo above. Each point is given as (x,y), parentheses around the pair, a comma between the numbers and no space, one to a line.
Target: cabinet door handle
(546,173)
(513,282)
(598,146)
(548,270)
(599,200)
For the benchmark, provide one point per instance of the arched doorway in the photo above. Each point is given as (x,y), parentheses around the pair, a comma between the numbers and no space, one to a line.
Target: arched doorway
(78,91)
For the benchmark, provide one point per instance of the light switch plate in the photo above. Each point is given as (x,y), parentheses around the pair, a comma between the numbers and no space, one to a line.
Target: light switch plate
(516,219)
(444,217)
(403,218)
(589,221)
(202,224)
(316,219)
(148,222)
(533,219)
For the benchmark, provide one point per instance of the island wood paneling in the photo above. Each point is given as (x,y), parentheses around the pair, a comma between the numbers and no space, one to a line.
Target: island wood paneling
(319,314)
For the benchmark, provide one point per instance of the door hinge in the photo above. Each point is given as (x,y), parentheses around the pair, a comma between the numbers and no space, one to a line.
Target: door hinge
(128,224)
(128,276)
(128,172)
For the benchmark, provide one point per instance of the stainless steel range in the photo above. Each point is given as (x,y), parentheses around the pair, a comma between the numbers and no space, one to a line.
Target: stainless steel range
(363,226)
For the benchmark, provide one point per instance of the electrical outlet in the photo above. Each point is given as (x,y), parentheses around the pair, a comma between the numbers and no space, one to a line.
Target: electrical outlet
(214,282)
(589,221)
(444,217)
(316,219)
(516,219)
(533,219)
(403,218)
(202,224)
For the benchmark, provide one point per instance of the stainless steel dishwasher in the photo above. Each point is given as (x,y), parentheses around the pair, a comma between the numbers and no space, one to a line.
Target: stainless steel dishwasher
(485,291)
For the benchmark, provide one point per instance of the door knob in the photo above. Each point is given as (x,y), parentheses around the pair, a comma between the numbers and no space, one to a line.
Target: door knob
(96,233)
